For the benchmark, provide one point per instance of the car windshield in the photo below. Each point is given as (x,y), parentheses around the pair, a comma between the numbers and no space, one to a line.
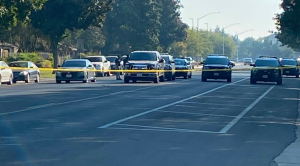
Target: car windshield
(18,64)
(216,61)
(248,59)
(111,59)
(143,56)
(94,59)
(289,62)
(166,58)
(179,62)
(266,63)
(188,59)
(74,64)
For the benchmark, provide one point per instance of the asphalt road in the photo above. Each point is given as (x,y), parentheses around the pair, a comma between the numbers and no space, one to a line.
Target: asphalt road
(180,123)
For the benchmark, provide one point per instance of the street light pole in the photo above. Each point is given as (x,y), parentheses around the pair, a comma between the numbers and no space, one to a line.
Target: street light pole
(237,41)
(207,29)
(224,35)
(192,23)
(205,16)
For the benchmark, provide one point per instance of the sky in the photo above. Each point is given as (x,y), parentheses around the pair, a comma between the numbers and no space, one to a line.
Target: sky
(253,15)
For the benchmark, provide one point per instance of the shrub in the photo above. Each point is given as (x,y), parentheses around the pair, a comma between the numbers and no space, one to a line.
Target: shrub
(46,64)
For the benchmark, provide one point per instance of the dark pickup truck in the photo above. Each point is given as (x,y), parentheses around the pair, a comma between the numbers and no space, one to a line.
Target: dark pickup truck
(144,60)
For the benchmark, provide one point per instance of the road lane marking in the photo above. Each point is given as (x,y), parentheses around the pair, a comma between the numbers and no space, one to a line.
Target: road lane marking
(236,119)
(168,105)
(192,113)
(73,101)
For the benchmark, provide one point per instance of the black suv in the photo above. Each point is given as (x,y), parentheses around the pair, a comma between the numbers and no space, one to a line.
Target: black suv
(145,60)
(183,68)
(290,67)
(217,67)
(266,70)
(169,67)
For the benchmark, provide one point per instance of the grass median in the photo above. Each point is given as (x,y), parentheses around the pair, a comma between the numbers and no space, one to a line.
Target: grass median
(47,74)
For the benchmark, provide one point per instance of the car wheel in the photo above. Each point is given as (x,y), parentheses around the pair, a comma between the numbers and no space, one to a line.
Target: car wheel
(27,80)
(94,80)
(162,78)
(190,76)
(169,78)
(37,78)
(58,82)
(204,79)
(297,76)
(126,80)
(10,80)
(186,76)
(14,81)
(279,82)
(156,80)
(252,81)
(173,77)
(67,82)
(229,79)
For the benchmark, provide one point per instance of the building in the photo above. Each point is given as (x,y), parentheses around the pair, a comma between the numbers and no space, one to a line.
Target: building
(7,49)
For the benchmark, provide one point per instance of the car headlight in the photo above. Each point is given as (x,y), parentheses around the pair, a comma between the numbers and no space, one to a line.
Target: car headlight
(254,70)
(24,73)
(58,74)
(153,66)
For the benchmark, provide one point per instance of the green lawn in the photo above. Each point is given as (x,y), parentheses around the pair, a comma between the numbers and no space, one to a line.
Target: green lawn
(47,74)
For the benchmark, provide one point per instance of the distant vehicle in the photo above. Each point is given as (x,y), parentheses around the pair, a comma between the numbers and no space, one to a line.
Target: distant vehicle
(112,60)
(6,74)
(248,61)
(214,63)
(290,67)
(100,63)
(182,64)
(190,61)
(266,70)
(85,71)
(232,63)
(170,67)
(145,60)
(26,71)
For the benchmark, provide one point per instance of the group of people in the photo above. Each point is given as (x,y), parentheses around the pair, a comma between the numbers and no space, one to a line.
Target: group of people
(118,65)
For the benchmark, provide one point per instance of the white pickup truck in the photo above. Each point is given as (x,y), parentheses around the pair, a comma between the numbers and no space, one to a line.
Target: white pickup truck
(100,63)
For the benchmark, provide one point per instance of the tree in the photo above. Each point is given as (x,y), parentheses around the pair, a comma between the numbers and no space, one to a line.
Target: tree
(172,29)
(57,16)
(14,11)
(288,24)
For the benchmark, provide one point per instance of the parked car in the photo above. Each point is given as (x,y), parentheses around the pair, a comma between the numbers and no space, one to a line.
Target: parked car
(6,74)
(217,67)
(183,64)
(266,70)
(145,60)
(76,70)
(290,67)
(100,63)
(25,71)
(248,61)
(170,73)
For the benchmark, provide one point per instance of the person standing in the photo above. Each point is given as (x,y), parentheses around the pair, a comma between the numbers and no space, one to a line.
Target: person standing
(118,64)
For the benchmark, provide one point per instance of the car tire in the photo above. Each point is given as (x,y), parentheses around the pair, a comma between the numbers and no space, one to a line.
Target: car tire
(185,77)
(27,80)
(279,82)
(229,79)
(58,82)
(252,81)
(10,80)
(297,76)
(94,80)
(156,80)
(190,76)
(170,78)
(126,80)
(67,82)
(203,79)
(14,81)
(37,80)
(162,78)
(174,77)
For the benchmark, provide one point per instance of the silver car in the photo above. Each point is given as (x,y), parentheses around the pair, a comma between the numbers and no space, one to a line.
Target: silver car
(6,74)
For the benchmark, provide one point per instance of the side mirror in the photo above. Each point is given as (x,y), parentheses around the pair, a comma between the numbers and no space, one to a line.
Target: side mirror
(161,61)
(90,66)
(172,61)
(252,64)
(31,67)
(58,66)
(105,61)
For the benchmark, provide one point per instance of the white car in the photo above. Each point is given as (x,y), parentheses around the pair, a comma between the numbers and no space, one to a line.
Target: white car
(6,74)
(100,63)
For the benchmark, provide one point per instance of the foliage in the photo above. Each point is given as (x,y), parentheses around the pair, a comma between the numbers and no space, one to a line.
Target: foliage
(288,24)
(13,11)
(57,16)
(46,64)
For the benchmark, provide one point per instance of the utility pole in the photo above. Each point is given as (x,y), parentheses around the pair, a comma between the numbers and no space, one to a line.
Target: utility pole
(224,35)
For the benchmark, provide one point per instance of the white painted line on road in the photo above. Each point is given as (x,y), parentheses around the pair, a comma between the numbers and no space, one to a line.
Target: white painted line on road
(192,113)
(168,105)
(73,101)
(236,119)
